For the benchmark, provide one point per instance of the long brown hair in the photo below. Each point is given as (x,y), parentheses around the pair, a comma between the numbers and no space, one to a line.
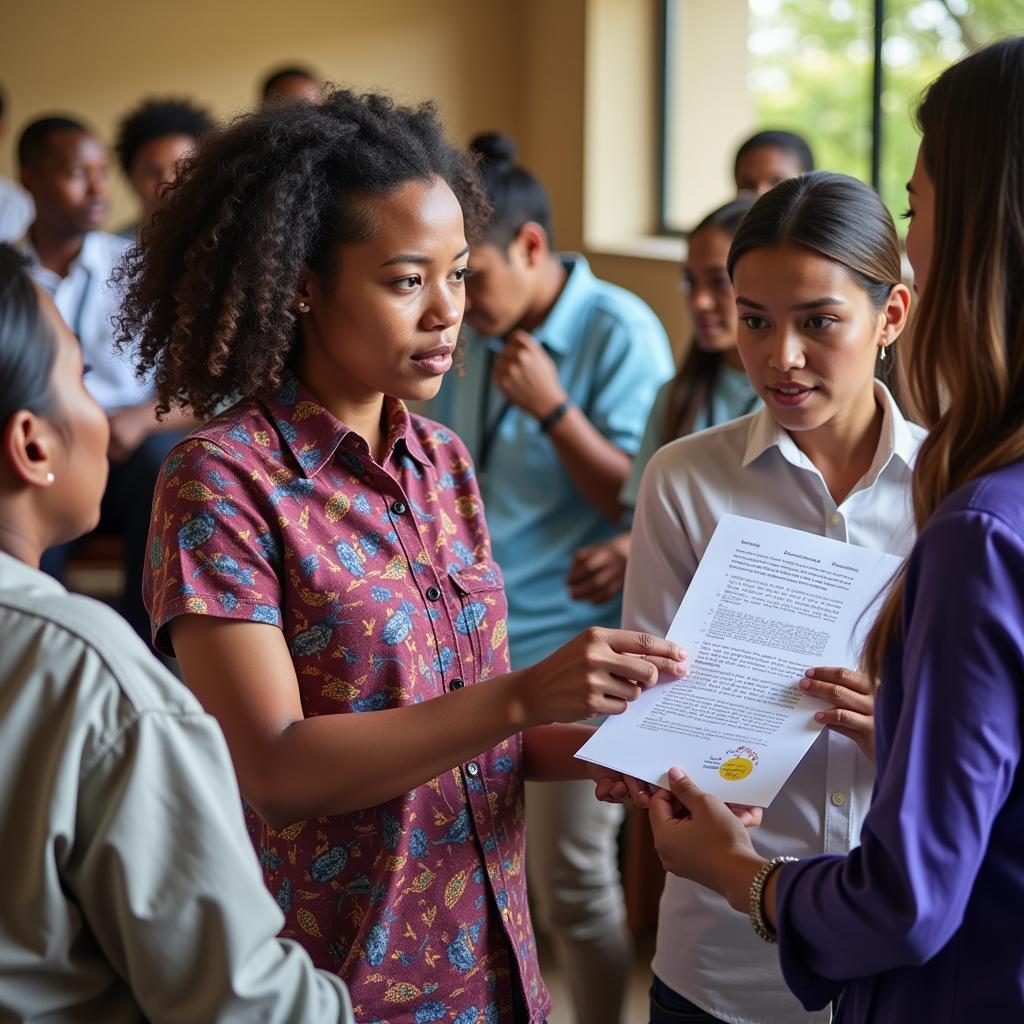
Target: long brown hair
(698,373)
(965,360)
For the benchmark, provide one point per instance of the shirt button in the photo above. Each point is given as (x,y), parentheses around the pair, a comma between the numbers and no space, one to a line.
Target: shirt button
(836,519)
(473,768)
(433,593)
(398,508)
(456,684)
(839,799)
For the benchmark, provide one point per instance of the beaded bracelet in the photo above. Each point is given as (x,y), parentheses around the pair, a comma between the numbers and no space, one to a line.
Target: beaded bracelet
(757,918)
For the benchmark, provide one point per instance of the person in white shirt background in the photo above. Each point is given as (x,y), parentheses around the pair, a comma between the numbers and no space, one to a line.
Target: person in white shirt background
(131,890)
(66,167)
(816,269)
(16,209)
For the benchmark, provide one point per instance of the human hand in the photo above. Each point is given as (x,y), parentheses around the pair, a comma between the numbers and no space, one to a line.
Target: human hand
(854,697)
(699,837)
(616,788)
(528,376)
(129,427)
(598,672)
(598,571)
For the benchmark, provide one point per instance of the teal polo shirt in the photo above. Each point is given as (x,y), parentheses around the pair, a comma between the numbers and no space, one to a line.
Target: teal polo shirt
(612,355)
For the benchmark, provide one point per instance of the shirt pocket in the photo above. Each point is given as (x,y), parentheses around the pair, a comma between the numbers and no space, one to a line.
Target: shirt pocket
(482,619)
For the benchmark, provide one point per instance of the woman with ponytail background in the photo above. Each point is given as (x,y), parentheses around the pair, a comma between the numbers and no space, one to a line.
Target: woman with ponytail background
(922,921)
(816,268)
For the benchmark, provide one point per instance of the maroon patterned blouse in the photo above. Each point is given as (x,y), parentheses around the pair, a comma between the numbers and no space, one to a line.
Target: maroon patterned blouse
(381,579)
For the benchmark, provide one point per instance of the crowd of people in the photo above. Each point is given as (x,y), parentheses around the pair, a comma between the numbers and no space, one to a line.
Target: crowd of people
(410,497)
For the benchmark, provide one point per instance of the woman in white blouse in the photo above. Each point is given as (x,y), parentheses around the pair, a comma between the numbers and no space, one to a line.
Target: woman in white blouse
(816,268)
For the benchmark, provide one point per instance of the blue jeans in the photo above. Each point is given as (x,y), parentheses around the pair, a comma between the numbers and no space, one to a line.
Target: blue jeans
(668,1007)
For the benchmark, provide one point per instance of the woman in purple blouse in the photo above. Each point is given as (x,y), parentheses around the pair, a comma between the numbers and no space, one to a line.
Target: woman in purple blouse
(923,921)
(319,561)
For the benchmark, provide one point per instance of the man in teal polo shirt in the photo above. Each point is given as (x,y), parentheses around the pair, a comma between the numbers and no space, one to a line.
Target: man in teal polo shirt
(557,380)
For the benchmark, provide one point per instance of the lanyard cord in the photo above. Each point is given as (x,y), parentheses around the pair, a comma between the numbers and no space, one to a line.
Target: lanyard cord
(77,324)
(490,433)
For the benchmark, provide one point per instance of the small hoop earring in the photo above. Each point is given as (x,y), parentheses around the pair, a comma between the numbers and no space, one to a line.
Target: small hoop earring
(302,306)
(50,478)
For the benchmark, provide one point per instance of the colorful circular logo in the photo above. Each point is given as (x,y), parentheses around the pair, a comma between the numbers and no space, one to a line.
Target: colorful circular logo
(736,768)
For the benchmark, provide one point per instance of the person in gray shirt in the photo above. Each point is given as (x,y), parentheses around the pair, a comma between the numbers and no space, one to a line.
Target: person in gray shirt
(131,891)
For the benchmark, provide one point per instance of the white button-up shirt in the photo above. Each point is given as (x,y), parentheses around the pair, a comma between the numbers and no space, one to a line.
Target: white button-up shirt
(88,302)
(707,952)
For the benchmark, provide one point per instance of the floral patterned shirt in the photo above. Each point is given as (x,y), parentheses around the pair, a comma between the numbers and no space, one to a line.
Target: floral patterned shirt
(381,580)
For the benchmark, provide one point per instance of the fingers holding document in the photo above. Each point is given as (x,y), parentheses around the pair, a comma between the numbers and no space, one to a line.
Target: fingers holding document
(853,694)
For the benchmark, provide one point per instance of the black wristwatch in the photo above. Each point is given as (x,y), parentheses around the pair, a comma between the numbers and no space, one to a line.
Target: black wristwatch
(547,422)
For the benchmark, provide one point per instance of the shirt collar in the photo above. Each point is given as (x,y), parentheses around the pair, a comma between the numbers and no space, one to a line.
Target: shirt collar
(561,326)
(313,434)
(17,577)
(895,440)
(89,257)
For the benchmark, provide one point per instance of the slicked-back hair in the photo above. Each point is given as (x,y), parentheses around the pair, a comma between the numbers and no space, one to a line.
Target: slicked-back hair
(516,196)
(841,219)
(35,138)
(834,215)
(28,347)
(210,290)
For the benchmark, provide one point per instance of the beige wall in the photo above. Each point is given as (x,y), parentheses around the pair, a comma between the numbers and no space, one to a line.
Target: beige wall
(97,59)
(554,74)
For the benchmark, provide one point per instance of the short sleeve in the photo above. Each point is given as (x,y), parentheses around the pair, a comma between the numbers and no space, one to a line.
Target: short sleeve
(214,546)
(634,361)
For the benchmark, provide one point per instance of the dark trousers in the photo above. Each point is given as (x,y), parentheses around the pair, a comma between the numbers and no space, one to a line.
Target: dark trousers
(668,1007)
(125,512)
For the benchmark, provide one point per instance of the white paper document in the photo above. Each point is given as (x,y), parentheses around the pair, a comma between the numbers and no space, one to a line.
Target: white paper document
(765,604)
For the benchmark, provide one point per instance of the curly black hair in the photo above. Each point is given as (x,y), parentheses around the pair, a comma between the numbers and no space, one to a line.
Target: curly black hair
(210,290)
(156,119)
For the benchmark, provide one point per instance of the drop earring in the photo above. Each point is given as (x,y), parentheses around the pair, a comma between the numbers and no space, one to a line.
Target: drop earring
(881,355)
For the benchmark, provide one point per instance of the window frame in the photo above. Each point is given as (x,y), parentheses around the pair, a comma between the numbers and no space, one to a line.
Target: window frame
(666,30)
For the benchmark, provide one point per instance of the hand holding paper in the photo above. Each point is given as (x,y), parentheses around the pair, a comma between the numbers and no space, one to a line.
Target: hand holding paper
(765,603)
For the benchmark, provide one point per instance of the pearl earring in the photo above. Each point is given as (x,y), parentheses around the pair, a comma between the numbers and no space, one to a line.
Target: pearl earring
(302,306)
(50,478)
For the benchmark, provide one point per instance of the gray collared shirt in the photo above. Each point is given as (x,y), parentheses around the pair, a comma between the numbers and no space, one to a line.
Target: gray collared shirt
(130,890)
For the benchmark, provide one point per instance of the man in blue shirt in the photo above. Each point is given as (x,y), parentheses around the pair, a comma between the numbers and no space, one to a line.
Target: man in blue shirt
(552,398)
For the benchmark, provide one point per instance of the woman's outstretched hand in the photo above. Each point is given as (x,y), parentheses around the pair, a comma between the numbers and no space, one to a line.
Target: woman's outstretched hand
(599,672)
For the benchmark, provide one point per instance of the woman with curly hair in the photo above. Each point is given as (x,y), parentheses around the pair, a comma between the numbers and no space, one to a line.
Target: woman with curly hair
(320,564)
